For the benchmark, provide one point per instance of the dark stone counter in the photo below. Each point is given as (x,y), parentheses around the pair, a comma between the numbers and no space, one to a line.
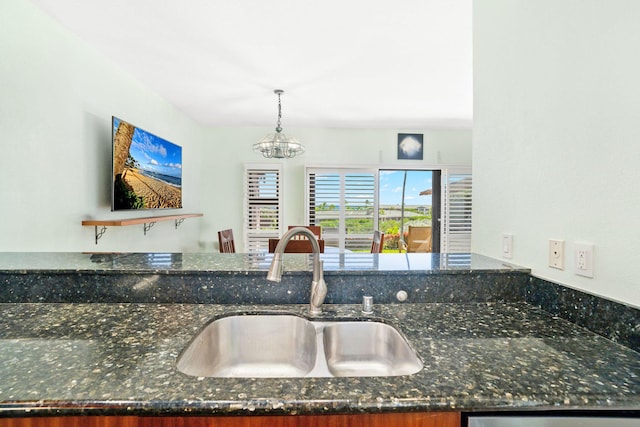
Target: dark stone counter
(241,278)
(100,334)
(120,359)
(351,263)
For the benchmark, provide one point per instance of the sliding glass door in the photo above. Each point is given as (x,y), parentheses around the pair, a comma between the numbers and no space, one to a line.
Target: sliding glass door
(410,201)
(417,210)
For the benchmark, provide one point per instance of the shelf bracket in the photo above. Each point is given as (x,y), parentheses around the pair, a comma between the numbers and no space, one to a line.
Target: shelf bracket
(148,226)
(147,222)
(99,233)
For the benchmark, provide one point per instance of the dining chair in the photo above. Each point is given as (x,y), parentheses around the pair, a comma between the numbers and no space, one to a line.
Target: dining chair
(378,242)
(296,246)
(225,239)
(315,229)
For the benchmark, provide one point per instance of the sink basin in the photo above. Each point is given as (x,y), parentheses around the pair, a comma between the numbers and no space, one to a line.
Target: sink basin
(252,346)
(355,349)
(286,346)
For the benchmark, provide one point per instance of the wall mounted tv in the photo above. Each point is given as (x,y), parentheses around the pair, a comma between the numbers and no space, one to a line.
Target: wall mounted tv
(147,170)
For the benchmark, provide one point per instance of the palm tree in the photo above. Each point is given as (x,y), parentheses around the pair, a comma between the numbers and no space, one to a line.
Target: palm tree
(401,242)
(130,163)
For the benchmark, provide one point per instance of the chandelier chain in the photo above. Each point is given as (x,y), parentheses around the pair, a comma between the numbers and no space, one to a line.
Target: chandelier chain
(279,126)
(279,145)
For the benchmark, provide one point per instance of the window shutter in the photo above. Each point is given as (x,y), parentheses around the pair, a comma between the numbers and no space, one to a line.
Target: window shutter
(344,203)
(324,201)
(456,211)
(262,206)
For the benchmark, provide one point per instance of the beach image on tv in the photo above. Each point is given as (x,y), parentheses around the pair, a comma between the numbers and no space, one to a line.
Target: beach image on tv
(147,170)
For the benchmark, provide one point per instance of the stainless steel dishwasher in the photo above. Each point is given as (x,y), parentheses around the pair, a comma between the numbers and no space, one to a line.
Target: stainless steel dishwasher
(552,421)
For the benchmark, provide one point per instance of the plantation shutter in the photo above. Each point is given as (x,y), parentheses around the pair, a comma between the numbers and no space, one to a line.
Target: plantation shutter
(344,203)
(262,206)
(456,211)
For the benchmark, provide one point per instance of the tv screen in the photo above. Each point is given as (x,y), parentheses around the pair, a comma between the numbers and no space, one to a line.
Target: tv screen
(147,170)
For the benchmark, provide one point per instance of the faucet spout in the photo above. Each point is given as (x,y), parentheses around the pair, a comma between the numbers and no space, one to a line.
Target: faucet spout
(318,285)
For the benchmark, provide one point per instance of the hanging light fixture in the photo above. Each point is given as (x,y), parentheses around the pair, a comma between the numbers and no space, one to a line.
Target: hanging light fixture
(278,145)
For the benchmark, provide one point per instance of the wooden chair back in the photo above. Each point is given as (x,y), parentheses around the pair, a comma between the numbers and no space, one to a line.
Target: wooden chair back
(225,240)
(315,229)
(378,242)
(296,246)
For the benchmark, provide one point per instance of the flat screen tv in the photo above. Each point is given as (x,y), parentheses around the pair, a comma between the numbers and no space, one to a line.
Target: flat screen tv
(147,170)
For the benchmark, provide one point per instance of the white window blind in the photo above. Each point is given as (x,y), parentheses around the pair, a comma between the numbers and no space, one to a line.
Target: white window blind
(262,206)
(344,203)
(456,211)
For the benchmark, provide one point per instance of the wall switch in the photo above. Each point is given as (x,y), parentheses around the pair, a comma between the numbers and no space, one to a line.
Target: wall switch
(583,259)
(507,245)
(556,254)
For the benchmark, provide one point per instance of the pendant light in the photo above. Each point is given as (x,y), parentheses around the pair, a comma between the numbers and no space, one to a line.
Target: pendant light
(278,145)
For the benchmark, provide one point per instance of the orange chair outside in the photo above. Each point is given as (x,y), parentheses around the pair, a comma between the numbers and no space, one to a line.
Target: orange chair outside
(419,239)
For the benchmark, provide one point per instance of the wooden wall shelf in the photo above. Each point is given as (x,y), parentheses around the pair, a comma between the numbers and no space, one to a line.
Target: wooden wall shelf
(148,221)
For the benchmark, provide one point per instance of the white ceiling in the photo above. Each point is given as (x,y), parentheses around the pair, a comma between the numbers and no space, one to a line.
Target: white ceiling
(342,63)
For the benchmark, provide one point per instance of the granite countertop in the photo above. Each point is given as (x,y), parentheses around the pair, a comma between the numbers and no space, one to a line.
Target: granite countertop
(100,334)
(343,263)
(120,359)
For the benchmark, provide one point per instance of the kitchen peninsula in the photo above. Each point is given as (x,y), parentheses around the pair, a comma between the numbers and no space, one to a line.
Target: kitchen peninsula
(99,335)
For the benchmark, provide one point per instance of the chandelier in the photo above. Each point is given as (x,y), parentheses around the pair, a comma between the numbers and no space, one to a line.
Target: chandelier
(278,145)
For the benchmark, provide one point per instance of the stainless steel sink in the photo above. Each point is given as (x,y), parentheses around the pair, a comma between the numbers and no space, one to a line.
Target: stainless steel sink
(252,346)
(367,349)
(284,346)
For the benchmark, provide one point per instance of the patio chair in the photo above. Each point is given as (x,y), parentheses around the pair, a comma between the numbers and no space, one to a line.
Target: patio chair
(419,239)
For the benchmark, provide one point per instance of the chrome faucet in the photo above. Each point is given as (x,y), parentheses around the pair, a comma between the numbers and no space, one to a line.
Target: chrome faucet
(318,285)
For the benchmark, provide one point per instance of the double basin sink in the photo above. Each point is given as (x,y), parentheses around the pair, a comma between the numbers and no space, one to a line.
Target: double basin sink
(286,346)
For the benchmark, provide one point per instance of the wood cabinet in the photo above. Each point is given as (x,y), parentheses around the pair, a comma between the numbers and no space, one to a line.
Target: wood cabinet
(88,421)
(411,419)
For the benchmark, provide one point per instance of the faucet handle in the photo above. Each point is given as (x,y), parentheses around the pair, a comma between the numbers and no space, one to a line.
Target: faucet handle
(318,287)
(318,293)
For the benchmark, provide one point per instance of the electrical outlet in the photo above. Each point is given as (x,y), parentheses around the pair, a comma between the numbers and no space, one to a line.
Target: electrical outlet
(583,259)
(507,245)
(556,254)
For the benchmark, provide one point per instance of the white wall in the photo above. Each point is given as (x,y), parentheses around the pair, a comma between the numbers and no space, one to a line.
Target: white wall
(556,145)
(556,141)
(56,103)
(58,96)
(225,152)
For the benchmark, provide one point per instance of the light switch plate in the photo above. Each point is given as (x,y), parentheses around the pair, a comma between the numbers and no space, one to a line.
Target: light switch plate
(556,254)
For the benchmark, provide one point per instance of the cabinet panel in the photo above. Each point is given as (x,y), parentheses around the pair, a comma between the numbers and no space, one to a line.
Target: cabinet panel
(417,419)
(88,421)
